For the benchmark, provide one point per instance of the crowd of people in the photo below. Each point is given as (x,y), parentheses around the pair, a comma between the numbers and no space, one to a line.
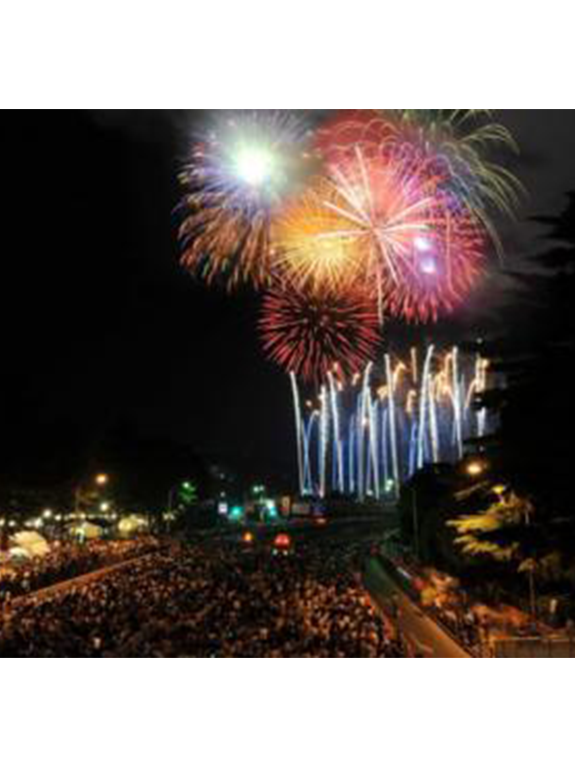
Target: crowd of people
(217,599)
(64,561)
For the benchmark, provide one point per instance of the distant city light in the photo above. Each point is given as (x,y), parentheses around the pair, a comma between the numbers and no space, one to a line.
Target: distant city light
(223,509)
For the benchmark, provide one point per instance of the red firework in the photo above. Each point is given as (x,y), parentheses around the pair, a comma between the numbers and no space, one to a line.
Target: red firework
(313,334)
(445,264)
(420,246)
(369,128)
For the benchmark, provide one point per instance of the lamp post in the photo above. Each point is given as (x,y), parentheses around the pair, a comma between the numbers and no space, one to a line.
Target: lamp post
(475,468)
(100,480)
(171,499)
(173,489)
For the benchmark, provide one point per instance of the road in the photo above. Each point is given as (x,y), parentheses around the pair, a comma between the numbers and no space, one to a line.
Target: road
(425,636)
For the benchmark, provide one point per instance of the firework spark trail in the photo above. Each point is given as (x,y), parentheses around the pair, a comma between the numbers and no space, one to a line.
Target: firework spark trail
(323,441)
(456,396)
(299,433)
(481,385)
(373,441)
(363,427)
(423,407)
(308,434)
(338,447)
(433,426)
(351,454)
(392,421)
(384,455)
(392,432)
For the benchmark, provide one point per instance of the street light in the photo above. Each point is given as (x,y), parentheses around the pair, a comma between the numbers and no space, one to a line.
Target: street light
(100,480)
(475,468)
(186,486)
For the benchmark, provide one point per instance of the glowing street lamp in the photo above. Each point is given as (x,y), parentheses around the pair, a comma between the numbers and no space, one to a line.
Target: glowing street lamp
(475,468)
(100,480)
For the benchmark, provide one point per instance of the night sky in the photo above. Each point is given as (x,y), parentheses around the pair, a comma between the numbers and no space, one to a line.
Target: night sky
(101,327)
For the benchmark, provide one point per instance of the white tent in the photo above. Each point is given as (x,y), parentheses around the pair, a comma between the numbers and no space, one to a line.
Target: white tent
(86,531)
(29,544)
(132,524)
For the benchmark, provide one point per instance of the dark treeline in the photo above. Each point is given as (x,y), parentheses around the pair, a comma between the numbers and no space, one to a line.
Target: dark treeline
(523,502)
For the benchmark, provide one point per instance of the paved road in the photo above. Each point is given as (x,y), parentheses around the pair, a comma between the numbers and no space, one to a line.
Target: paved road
(426,637)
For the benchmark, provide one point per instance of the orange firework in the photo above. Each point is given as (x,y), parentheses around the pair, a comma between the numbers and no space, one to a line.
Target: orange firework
(312,246)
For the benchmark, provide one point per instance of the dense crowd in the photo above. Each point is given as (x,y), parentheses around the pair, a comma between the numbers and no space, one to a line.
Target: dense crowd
(65,561)
(214,600)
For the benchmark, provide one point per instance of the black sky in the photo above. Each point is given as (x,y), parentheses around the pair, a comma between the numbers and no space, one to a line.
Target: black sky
(101,326)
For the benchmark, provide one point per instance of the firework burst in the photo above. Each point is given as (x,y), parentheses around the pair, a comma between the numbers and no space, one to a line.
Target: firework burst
(312,246)
(465,141)
(445,263)
(237,176)
(383,222)
(311,335)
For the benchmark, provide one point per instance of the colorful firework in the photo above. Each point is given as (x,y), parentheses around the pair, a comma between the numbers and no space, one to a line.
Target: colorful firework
(238,174)
(465,141)
(311,335)
(383,219)
(312,248)
(445,264)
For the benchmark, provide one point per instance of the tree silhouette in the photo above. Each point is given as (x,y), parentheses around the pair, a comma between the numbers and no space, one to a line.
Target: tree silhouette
(535,350)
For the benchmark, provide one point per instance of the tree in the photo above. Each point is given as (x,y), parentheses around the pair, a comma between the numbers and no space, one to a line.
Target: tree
(495,531)
(508,532)
(533,349)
